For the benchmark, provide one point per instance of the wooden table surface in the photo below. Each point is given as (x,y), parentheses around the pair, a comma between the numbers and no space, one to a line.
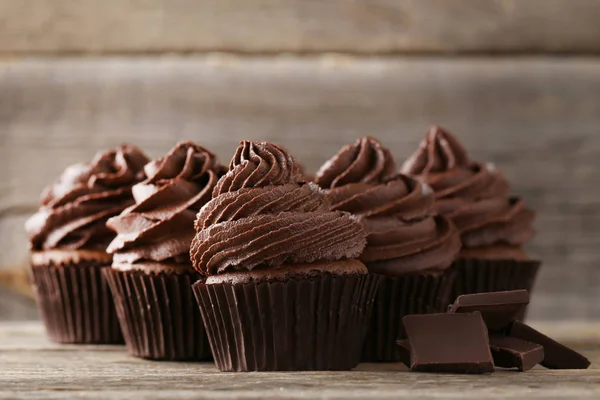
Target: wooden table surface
(32,367)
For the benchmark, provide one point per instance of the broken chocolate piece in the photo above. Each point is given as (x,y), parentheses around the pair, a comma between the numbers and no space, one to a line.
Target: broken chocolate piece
(510,352)
(498,309)
(454,343)
(404,351)
(556,355)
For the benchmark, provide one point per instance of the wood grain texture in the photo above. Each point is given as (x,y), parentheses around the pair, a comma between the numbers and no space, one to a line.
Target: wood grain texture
(30,367)
(356,26)
(538,119)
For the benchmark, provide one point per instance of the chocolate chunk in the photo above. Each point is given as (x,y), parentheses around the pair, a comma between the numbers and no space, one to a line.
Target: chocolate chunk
(404,352)
(510,352)
(498,309)
(556,356)
(454,343)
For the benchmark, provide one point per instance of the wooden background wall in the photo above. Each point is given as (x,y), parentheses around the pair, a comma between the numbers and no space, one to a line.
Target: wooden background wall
(517,80)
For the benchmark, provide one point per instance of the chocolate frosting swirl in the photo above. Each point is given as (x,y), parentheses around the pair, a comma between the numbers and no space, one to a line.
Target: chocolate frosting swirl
(263,215)
(160,226)
(438,152)
(474,196)
(397,211)
(74,210)
(256,165)
(366,161)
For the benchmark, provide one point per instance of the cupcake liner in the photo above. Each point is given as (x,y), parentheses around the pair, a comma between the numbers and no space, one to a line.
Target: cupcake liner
(481,276)
(399,296)
(158,315)
(317,323)
(75,303)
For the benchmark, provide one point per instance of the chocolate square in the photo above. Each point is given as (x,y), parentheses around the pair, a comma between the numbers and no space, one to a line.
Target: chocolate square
(404,351)
(510,352)
(498,309)
(454,343)
(556,355)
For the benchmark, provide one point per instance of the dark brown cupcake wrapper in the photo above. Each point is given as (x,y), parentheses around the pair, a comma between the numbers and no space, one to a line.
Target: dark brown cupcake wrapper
(317,323)
(75,303)
(159,315)
(481,276)
(399,296)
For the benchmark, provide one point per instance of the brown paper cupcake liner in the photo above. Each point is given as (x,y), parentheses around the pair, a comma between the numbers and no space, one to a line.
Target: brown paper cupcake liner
(75,303)
(399,296)
(159,315)
(481,276)
(317,323)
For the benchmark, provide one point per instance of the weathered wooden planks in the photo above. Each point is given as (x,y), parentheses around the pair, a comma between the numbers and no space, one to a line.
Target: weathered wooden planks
(32,368)
(538,119)
(358,26)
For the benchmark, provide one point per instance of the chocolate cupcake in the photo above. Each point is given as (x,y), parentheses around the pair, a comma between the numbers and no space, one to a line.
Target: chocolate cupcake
(408,247)
(151,276)
(493,225)
(284,291)
(68,244)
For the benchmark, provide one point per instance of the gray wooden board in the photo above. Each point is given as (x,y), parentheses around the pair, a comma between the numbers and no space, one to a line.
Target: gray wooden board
(537,118)
(356,26)
(33,368)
